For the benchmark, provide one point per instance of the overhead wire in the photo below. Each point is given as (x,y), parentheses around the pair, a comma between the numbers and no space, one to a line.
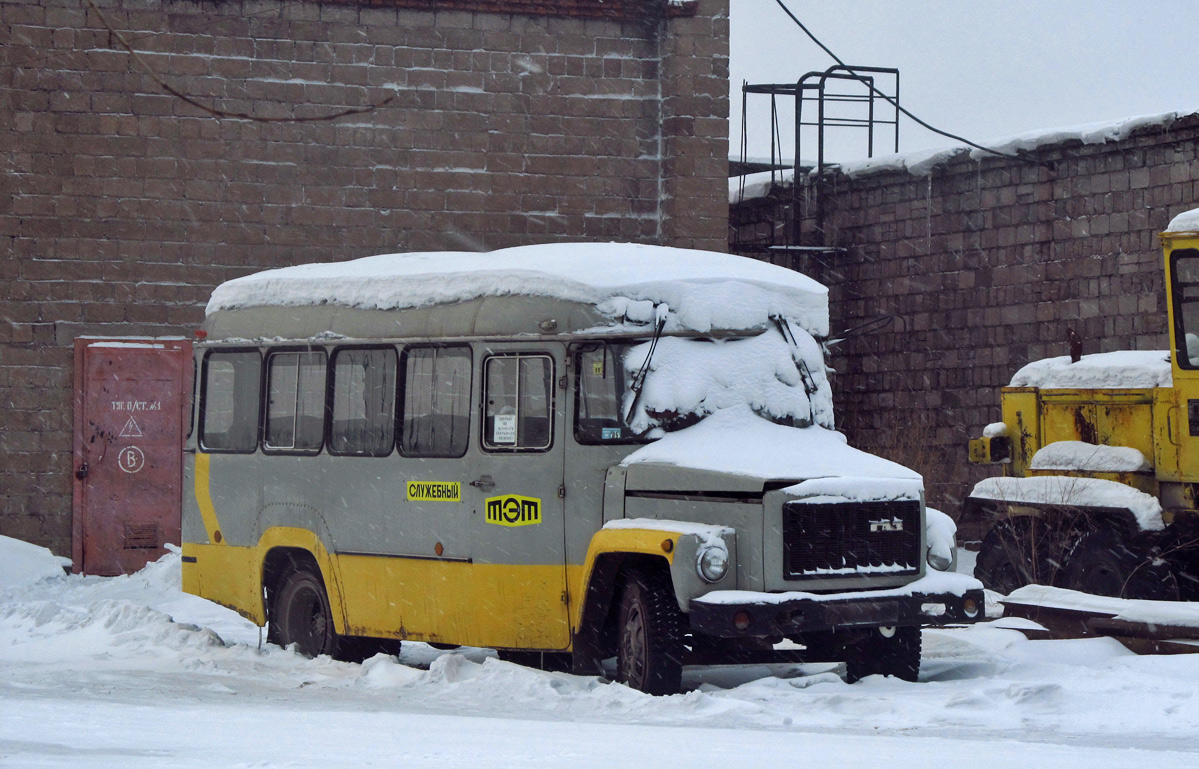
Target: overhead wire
(215,111)
(902,109)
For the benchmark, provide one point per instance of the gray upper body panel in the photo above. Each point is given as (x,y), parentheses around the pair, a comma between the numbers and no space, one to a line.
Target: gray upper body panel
(491,316)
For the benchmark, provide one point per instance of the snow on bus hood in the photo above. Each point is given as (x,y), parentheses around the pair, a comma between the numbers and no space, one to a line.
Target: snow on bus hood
(738,441)
(704,289)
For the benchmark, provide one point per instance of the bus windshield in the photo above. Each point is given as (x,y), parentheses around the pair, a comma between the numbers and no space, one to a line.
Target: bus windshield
(688,378)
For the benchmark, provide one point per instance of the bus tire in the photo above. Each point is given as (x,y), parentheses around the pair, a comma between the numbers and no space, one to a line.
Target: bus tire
(650,634)
(300,615)
(878,654)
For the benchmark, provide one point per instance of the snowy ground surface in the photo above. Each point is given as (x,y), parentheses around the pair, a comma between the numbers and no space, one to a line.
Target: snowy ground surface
(130,672)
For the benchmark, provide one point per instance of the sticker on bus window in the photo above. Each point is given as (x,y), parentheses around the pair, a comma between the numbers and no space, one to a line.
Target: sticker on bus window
(504,430)
(513,510)
(597,367)
(610,433)
(434,491)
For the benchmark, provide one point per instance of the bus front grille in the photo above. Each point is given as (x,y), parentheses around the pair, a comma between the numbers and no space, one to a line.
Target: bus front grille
(850,538)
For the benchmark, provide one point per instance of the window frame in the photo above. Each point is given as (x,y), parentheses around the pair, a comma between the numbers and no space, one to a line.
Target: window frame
(1181,358)
(325,393)
(581,436)
(401,400)
(204,395)
(331,384)
(551,404)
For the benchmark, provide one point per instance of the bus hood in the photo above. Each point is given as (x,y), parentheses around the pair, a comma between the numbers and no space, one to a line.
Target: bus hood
(735,450)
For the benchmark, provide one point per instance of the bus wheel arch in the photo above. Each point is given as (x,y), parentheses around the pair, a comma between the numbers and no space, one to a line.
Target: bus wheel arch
(598,636)
(300,614)
(299,610)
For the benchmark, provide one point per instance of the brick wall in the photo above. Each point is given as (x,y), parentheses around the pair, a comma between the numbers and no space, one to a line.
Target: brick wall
(122,206)
(985,265)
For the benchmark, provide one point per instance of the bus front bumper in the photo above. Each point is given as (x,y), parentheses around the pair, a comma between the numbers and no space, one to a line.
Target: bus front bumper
(744,614)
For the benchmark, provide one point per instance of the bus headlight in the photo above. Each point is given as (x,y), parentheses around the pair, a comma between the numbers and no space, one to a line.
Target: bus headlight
(939,562)
(712,562)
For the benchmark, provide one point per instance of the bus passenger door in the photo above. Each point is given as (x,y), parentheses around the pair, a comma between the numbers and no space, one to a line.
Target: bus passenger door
(515,496)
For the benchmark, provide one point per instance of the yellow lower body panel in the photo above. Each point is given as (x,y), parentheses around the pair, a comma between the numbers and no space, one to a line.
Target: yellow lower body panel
(230,576)
(422,600)
(493,605)
(465,603)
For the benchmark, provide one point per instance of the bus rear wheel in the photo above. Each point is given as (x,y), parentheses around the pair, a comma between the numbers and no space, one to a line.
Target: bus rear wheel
(300,615)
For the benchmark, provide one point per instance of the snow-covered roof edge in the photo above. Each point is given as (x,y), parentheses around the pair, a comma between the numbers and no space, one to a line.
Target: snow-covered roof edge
(704,290)
(922,162)
(1187,221)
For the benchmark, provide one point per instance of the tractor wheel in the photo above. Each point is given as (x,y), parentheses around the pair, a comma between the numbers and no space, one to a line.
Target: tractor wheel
(1009,557)
(649,653)
(1103,563)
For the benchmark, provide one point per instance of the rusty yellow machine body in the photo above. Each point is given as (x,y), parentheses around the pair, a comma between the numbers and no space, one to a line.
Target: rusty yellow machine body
(1100,455)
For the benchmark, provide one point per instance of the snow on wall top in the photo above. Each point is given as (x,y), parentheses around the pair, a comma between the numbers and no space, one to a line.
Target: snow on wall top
(704,290)
(1108,370)
(1187,221)
(922,162)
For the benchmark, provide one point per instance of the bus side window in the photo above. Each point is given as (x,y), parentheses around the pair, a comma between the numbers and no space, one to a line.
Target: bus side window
(364,394)
(229,403)
(435,416)
(295,407)
(518,394)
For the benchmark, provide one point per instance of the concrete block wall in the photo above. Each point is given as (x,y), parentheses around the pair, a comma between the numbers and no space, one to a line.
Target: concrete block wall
(984,265)
(122,206)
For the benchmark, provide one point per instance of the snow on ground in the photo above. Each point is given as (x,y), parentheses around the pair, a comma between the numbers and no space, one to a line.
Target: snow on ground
(130,672)
(1161,613)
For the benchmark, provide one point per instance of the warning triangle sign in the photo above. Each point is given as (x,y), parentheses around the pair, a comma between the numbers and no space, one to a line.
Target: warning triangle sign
(131,430)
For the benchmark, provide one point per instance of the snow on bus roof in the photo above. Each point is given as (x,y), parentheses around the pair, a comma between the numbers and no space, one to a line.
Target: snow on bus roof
(703,289)
(1127,369)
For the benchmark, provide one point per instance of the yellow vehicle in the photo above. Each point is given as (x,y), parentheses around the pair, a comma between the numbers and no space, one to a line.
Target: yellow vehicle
(1101,461)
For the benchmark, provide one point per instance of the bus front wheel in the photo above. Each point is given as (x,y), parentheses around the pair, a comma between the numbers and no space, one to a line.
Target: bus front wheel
(650,646)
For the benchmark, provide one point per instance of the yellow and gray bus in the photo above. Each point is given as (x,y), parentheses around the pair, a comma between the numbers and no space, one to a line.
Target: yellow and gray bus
(566,453)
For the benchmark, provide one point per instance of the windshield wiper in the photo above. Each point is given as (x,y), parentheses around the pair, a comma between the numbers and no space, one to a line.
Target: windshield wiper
(805,373)
(639,380)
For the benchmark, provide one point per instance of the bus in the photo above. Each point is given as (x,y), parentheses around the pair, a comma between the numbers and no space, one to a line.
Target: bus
(610,458)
